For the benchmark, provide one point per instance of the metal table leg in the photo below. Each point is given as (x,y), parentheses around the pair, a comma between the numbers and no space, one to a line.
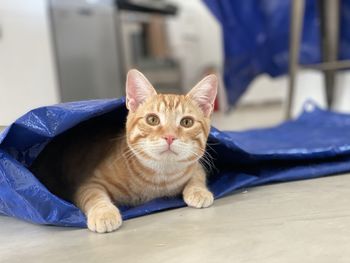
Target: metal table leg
(296,26)
(330,39)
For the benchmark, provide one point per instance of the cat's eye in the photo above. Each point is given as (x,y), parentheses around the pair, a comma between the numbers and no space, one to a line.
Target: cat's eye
(187,122)
(152,119)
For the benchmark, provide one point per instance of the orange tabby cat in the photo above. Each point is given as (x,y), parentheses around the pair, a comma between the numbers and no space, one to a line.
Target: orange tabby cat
(165,138)
(157,156)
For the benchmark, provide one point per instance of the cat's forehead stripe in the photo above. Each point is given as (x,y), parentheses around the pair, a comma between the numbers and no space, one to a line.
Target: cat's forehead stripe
(176,102)
(169,102)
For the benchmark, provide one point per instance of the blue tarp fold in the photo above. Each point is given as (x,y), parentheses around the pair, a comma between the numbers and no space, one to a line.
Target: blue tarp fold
(314,145)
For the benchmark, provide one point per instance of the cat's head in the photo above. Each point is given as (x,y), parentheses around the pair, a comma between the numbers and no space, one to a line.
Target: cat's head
(168,127)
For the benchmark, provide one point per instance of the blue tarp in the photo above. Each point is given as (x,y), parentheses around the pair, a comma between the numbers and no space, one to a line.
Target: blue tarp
(256,34)
(314,145)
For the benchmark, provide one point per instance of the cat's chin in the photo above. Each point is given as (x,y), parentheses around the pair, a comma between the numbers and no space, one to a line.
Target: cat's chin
(167,157)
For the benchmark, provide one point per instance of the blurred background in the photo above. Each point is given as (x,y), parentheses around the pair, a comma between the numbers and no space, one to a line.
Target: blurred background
(270,55)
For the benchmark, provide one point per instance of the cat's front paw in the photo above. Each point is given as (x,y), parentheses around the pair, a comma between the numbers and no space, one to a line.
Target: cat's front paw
(198,197)
(104,219)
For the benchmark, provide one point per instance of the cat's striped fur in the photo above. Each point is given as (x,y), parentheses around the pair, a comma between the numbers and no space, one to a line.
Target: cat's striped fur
(158,155)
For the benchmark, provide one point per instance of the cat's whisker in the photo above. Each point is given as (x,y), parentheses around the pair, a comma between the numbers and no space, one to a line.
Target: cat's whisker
(119,137)
(135,150)
(213,143)
(129,153)
(211,148)
(205,160)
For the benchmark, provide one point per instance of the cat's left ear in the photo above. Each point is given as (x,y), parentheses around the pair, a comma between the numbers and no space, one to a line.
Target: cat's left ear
(204,93)
(138,89)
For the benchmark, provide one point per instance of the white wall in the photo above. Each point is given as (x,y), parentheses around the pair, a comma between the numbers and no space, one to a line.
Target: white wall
(266,89)
(309,85)
(27,74)
(342,92)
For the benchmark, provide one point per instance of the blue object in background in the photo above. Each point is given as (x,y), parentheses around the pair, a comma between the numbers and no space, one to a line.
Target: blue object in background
(256,38)
(314,145)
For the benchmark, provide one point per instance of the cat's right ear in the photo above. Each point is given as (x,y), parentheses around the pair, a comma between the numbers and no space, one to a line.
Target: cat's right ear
(138,89)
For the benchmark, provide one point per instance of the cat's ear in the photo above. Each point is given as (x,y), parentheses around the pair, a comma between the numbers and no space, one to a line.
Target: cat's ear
(204,93)
(138,89)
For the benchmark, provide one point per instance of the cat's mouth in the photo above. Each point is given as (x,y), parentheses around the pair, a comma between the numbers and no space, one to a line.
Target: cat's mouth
(169,151)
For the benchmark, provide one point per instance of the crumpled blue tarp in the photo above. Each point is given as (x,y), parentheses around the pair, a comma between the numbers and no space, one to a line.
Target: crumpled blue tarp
(314,145)
(256,34)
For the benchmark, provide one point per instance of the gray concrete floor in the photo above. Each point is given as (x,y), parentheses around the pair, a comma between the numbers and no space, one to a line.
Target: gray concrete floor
(304,221)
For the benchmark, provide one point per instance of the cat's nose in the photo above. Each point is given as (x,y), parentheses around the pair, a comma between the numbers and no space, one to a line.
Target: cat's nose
(169,138)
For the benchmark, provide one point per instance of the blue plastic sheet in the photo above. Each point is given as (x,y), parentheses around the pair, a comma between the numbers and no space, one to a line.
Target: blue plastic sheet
(256,34)
(314,145)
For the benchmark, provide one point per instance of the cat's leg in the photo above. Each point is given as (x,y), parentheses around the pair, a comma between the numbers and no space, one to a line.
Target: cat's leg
(102,215)
(196,193)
